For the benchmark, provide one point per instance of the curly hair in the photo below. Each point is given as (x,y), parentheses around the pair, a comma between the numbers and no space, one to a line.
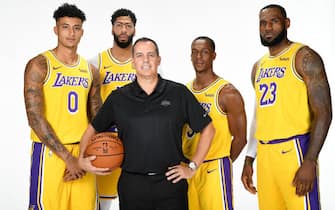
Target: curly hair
(69,10)
(123,12)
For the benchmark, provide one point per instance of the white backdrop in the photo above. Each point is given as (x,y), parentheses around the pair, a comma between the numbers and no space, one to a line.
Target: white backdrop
(27,29)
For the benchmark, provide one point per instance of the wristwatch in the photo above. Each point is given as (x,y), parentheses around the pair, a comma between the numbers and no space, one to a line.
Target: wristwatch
(193,166)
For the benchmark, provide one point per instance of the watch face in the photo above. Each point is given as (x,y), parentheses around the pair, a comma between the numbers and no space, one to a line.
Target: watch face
(192,166)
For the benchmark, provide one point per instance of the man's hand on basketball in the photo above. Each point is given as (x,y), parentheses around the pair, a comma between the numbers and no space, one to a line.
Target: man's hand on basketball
(179,172)
(85,164)
(304,177)
(73,171)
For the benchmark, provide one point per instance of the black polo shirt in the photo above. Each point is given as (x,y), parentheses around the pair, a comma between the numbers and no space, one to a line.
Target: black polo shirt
(150,126)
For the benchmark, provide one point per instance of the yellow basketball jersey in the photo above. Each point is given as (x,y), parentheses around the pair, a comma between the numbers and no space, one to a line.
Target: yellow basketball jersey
(113,74)
(66,91)
(208,99)
(282,103)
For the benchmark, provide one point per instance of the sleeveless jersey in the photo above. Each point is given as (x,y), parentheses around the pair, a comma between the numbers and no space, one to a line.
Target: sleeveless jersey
(281,95)
(65,91)
(113,74)
(208,99)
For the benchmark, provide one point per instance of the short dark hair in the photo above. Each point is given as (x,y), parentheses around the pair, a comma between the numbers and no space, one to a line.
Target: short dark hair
(69,10)
(281,9)
(211,41)
(145,39)
(123,12)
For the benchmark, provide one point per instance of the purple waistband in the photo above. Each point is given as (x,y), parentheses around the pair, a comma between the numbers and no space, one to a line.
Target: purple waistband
(277,141)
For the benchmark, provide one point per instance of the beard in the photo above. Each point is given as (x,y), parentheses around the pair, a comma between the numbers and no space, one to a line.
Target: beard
(275,41)
(123,44)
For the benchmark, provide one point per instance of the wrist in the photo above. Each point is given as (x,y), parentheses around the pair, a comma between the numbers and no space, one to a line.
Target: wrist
(311,161)
(193,165)
(249,160)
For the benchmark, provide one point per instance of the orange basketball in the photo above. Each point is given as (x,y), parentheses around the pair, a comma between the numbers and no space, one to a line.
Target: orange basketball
(107,148)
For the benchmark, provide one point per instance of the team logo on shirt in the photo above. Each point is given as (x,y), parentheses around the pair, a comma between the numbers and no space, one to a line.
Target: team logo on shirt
(56,67)
(275,71)
(118,77)
(166,103)
(107,67)
(64,80)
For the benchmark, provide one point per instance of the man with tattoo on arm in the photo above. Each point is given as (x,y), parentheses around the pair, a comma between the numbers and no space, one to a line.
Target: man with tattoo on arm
(292,117)
(61,92)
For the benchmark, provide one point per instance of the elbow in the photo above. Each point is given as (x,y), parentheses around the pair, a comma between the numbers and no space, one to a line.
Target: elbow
(330,116)
(327,117)
(33,121)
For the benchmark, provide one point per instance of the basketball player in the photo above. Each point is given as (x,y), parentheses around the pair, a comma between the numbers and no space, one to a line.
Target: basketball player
(115,70)
(293,115)
(61,90)
(149,114)
(211,186)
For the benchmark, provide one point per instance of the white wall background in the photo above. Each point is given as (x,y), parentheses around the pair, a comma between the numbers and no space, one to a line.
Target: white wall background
(26,30)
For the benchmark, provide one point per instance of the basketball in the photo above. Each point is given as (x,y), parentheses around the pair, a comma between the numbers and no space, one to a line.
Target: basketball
(107,148)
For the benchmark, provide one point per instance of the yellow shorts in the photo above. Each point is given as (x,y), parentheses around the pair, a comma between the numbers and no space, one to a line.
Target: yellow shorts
(211,186)
(277,163)
(48,191)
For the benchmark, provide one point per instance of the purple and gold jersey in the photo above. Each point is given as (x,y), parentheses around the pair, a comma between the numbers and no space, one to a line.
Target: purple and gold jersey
(208,99)
(113,73)
(281,94)
(66,90)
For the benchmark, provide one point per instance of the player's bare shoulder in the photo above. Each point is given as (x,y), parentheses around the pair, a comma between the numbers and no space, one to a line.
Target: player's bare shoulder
(308,63)
(36,69)
(230,97)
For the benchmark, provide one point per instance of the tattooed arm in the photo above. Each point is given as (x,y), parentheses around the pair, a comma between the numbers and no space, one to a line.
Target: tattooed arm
(35,73)
(311,68)
(94,100)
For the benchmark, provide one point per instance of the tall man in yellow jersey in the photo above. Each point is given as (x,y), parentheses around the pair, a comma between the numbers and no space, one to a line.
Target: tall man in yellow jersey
(116,70)
(292,117)
(61,90)
(211,187)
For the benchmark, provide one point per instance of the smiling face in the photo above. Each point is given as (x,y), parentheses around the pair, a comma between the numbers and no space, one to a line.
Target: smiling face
(202,55)
(272,27)
(145,59)
(69,31)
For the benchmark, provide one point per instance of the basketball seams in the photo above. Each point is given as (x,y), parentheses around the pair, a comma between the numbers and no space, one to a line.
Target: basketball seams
(106,140)
(107,148)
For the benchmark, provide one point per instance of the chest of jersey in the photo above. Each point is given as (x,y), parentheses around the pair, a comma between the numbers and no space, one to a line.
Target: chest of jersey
(209,100)
(65,94)
(281,96)
(114,74)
